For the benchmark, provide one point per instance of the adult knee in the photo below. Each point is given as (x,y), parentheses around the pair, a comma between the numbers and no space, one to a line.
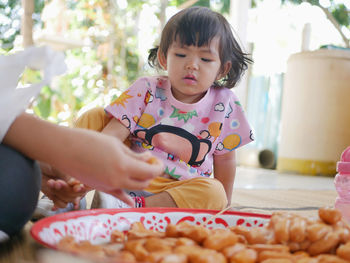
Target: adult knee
(20,180)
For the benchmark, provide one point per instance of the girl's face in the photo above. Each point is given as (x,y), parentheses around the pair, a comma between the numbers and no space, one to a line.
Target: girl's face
(192,70)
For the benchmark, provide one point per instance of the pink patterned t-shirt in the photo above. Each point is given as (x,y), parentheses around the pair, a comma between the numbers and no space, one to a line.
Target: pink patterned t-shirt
(184,136)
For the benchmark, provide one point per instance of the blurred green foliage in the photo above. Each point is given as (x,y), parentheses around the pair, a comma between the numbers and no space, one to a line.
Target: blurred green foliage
(97,72)
(338,10)
(110,62)
(10,20)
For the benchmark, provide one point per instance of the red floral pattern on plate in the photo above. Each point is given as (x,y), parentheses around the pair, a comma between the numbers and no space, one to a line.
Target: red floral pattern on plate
(97,225)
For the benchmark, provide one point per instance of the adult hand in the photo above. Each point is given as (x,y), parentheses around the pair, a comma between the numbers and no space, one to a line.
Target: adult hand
(120,168)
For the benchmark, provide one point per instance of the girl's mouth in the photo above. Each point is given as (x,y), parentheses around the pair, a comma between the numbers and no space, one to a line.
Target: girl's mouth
(190,79)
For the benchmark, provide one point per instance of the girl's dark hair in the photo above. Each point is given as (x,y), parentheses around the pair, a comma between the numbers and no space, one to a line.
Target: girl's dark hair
(198,26)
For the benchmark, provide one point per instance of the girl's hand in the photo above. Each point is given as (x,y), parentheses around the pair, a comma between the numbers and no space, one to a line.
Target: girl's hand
(60,188)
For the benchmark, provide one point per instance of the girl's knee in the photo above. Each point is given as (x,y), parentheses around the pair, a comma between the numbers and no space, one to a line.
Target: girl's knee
(95,119)
(216,194)
(201,193)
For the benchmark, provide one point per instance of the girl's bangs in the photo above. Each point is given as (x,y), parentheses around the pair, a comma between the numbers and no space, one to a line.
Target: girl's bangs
(196,32)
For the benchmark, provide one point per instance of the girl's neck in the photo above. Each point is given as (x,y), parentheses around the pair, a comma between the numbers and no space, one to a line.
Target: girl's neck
(186,98)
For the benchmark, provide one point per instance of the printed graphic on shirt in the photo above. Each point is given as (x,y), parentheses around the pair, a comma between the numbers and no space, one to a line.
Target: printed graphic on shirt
(215,129)
(148,97)
(172,172)
(230,143)
(160,94)
(122,99)
(146,121)
(229,111)
(219,107)
(183,115)
(178,142)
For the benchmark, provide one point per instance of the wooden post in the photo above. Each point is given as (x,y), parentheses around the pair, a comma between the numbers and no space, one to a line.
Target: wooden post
(239,20)
(27,23)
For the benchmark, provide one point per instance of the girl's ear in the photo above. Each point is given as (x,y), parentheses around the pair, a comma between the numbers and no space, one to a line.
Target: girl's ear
(224,71)
(161,59)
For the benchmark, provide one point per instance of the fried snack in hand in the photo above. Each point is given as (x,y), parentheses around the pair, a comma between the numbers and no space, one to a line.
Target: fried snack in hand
(152,160)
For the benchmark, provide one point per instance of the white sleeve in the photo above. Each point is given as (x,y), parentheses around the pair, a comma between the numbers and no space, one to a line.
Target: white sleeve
(14,98)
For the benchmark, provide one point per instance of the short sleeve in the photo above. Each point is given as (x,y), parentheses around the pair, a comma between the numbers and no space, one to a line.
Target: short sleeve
(130,105)
(235,131)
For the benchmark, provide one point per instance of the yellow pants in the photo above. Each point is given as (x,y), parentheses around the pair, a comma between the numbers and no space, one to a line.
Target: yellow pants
(199,192)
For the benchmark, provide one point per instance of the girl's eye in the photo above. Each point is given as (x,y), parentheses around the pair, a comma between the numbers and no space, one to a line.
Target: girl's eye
(206,60)
(180,55)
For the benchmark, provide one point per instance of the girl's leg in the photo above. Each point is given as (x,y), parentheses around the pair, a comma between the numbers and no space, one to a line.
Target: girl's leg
(20,181)
(163,199)
(196,193)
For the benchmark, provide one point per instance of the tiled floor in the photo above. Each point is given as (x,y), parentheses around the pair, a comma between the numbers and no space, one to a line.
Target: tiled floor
(258,178)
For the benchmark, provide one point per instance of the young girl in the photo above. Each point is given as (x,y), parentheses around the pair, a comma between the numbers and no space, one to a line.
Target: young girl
(190,119)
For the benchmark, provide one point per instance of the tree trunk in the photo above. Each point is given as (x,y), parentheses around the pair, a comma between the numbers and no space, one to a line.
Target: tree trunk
(27,23)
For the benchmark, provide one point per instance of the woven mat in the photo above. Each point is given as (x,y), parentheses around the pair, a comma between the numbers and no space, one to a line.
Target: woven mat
(303,202)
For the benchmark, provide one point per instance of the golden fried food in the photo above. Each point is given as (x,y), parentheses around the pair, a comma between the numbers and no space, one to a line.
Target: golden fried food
(286,238)
(263,255)
(197,233)
(117,236)
(138,230)
(297,229)
(329,215)
(204,255)
(219,239)
(154,244)
(244,256)
(231,250)
(269,247)
(165,257)
(343,251)
(136,247)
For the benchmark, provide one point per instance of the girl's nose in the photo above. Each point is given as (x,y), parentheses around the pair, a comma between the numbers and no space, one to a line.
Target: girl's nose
(191,65)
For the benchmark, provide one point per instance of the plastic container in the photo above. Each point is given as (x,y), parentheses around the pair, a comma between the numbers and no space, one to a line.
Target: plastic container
(342,184)
(315,119)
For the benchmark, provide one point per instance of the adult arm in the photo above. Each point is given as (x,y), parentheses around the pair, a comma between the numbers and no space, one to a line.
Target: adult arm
(225,171)
(97,160)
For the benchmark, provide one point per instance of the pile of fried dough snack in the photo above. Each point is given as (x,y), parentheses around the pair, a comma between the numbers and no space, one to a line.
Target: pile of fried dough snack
(286,238)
